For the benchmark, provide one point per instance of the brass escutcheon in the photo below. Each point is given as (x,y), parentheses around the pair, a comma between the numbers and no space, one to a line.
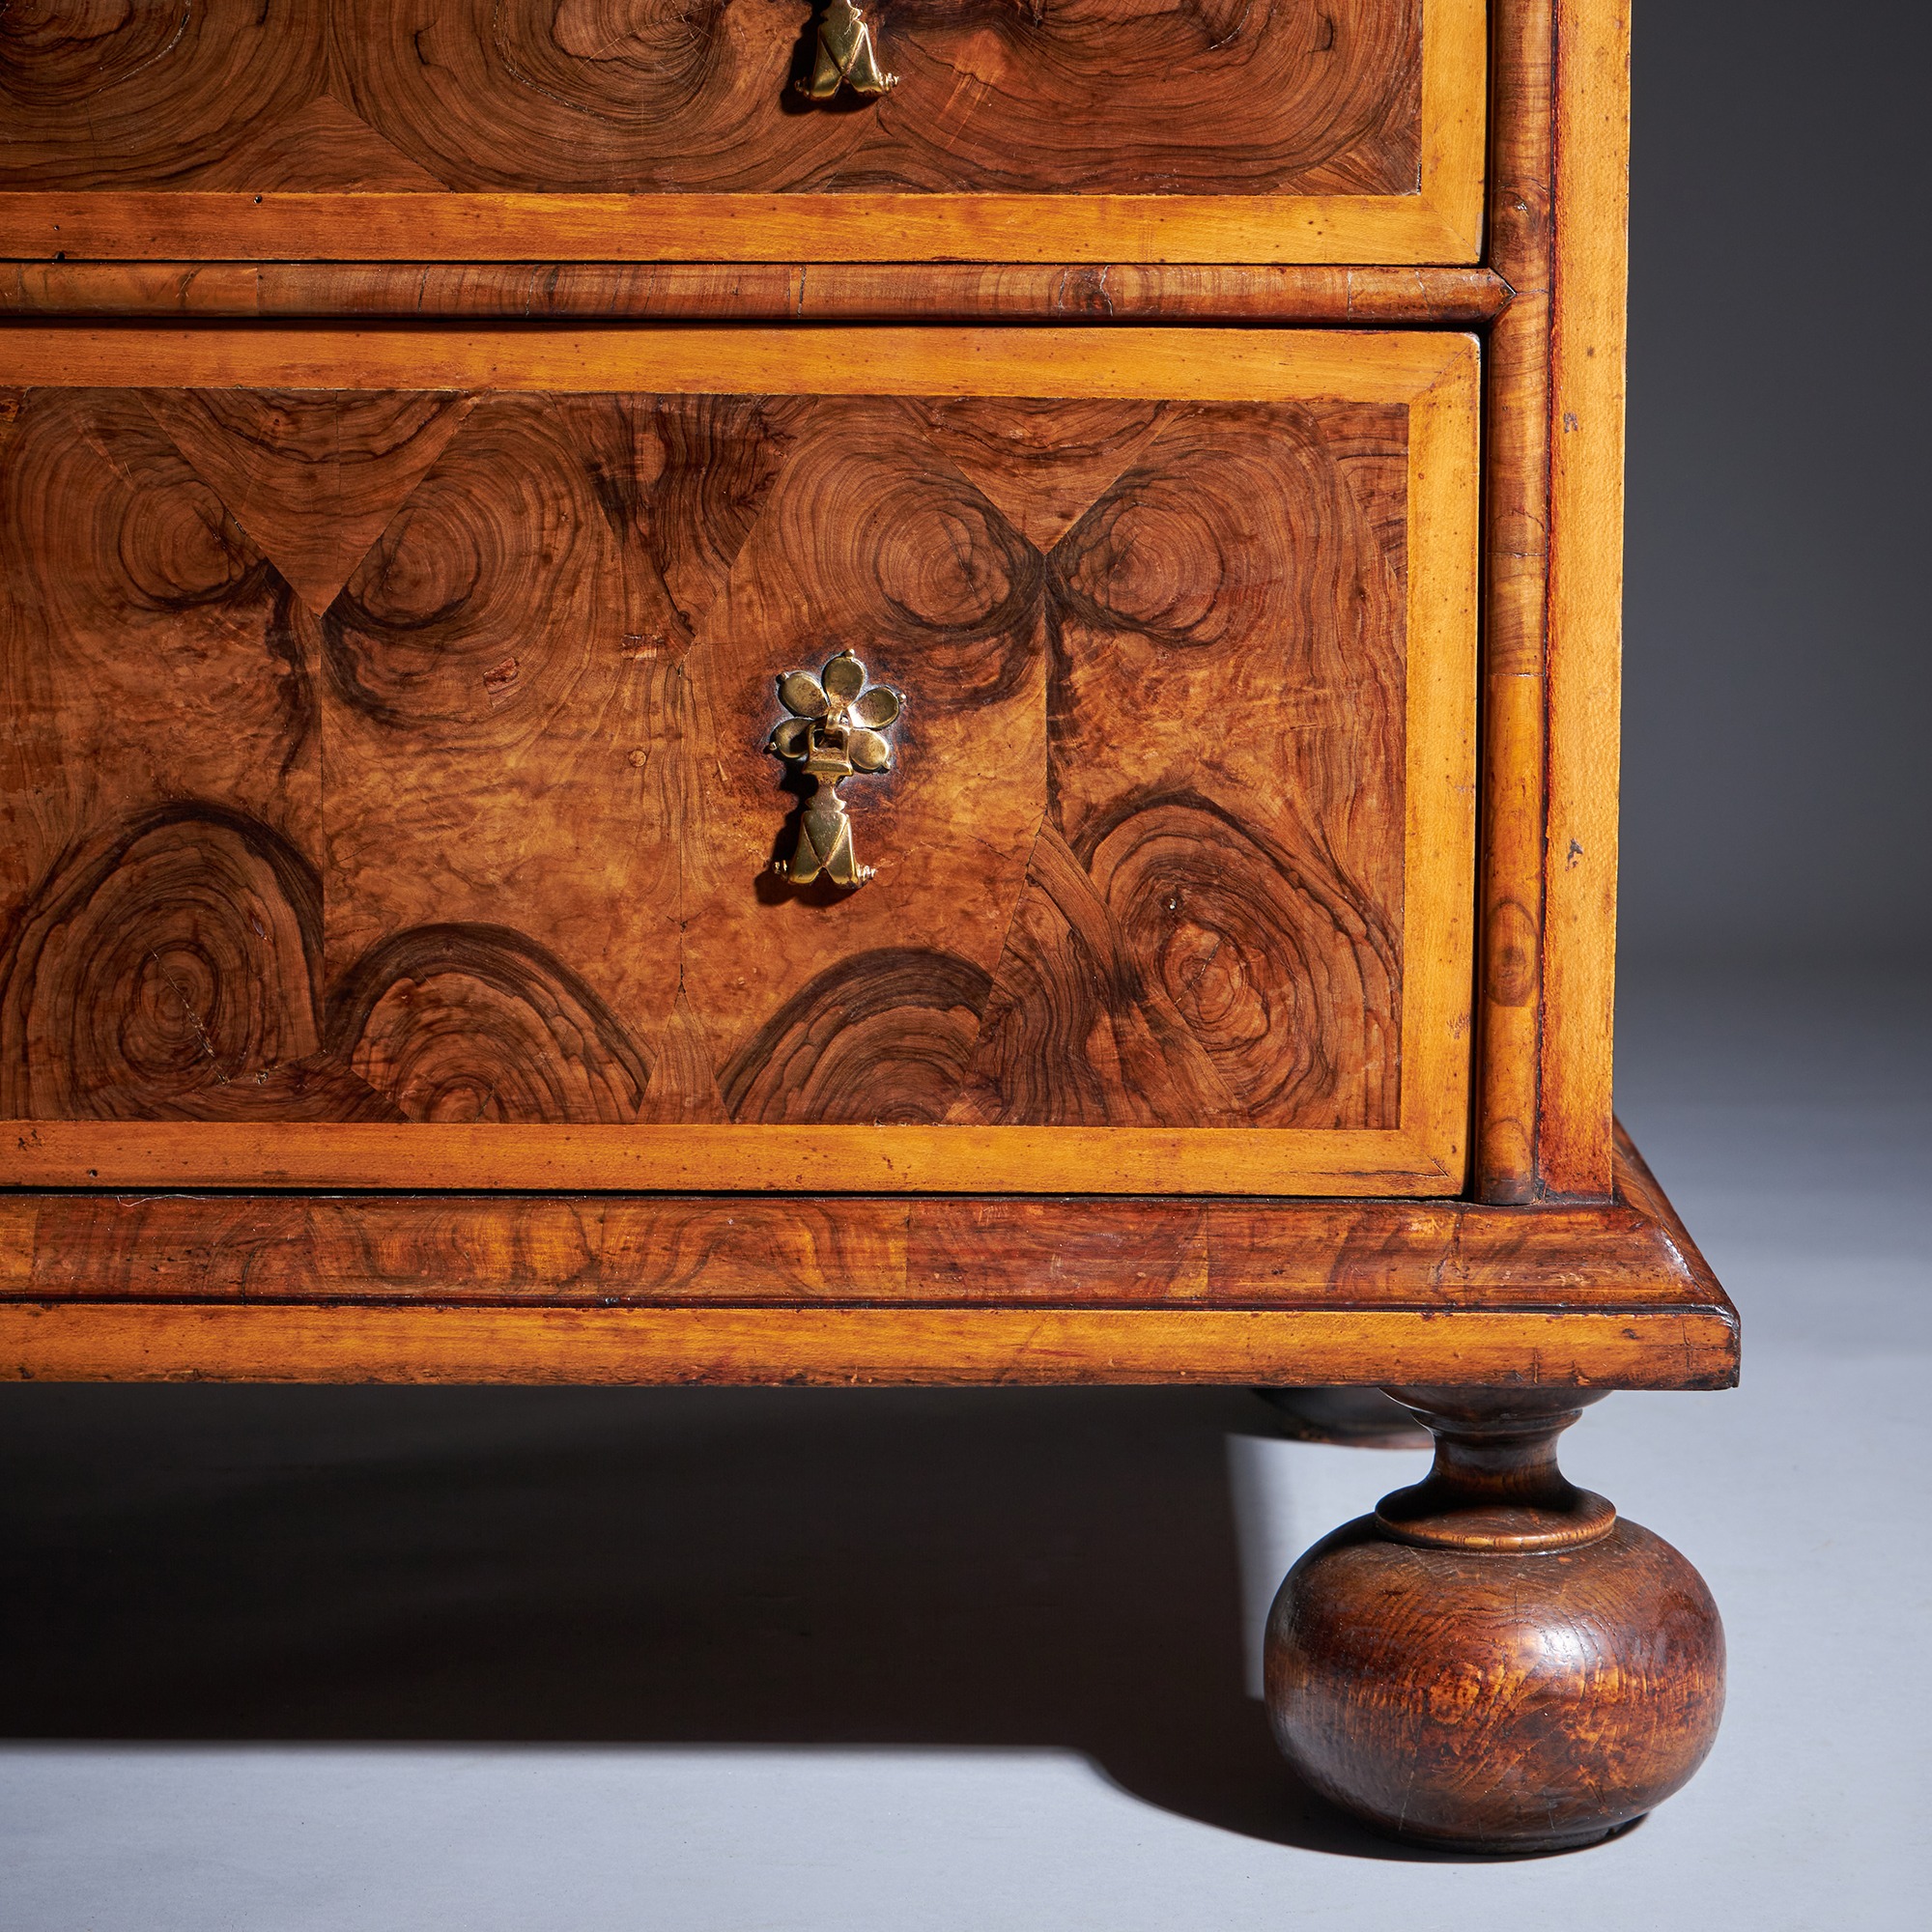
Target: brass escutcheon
(844,56)
(835,732)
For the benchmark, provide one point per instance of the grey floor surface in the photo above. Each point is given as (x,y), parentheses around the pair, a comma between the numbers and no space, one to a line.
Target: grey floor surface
(347,1659)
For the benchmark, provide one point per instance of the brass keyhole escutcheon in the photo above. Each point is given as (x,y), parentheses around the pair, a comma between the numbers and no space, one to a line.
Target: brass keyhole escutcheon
(844,56)
(836,731)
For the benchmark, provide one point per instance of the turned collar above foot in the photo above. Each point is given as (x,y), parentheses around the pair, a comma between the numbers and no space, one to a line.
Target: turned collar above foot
(1495,1485)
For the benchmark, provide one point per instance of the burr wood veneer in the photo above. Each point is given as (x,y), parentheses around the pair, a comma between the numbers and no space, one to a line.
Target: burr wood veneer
(429,434)
(1164,900)
(1110,129)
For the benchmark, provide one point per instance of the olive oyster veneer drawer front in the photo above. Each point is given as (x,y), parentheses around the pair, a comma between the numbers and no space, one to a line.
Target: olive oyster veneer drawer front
(1186,130)
(459,760)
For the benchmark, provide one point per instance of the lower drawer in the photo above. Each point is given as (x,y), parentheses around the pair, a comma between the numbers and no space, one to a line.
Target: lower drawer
(739,758)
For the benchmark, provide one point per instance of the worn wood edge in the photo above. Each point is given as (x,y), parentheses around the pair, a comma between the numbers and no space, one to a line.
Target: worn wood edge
(1174,364)
(1516,485)
(763,1159)
(1575,1135)
(299,1342)
(1087,293)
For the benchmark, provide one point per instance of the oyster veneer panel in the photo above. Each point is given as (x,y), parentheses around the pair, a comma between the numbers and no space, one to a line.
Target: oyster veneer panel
(1333,131)
(487,843)
(1096,96)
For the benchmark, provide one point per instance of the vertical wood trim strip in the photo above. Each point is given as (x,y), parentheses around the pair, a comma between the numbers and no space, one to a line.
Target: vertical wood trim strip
(19,1243)
(1516,558)
(1455,111)
(1441,654)
(1574,1146)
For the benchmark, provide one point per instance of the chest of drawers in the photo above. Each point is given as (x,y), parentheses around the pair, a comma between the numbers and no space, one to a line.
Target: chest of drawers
(922,695)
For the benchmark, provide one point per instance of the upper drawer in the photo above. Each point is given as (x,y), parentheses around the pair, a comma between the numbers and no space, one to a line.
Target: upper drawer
(1182,131)
(401,731)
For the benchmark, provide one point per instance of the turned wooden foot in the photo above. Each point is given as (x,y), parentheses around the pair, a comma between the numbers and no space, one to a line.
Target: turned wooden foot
(1494,1660)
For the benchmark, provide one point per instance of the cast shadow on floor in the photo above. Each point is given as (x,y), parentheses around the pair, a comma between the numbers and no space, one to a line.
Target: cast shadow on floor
(887,1568)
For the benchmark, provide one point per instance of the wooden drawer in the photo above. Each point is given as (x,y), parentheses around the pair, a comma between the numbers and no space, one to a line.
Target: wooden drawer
(1343,131)
(389,798)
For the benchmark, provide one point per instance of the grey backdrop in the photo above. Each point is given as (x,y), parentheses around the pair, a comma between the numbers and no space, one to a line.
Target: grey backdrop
(1775,696)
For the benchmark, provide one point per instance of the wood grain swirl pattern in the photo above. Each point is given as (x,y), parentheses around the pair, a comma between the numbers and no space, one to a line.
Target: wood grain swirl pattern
(868,539)
(149,96)
(467,1023)
(168,974)
(506,664)
(129,594)
(485,713)
(654,98)
(314,479)
(1211,905)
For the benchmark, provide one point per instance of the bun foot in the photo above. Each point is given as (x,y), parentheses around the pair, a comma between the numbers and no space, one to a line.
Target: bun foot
(1494,1661)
